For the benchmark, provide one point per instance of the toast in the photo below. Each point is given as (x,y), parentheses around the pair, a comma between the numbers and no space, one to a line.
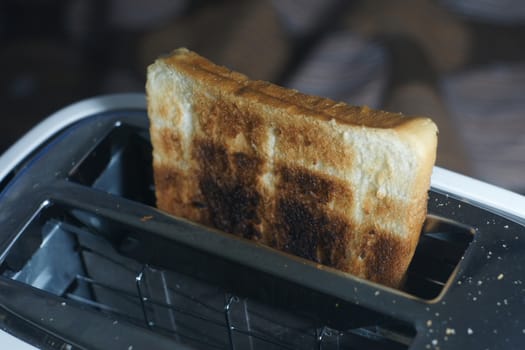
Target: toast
(340,185)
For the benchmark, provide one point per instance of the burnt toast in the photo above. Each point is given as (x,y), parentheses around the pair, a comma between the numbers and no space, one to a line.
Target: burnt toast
(341,185)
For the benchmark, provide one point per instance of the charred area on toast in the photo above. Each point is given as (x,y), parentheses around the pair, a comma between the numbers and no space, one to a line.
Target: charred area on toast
(310,233)
(381,251)
(227,183)
(303,223)
(304,184)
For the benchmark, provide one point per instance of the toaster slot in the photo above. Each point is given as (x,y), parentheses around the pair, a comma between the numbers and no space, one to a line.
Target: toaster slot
(120,164)
(190,296)
(441,247)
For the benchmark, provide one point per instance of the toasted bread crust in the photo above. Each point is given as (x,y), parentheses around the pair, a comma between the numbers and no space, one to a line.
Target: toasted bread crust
(340,185)
(279,97)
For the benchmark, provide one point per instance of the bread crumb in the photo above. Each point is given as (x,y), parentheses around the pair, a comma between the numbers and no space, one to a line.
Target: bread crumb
(429,323)
(470,331)
(146,218)
(450,331)
(500,276)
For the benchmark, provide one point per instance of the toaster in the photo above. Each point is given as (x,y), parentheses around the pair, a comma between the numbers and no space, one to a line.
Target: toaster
(88,262)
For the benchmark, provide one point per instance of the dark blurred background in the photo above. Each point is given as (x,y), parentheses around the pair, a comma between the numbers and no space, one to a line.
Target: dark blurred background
(460,62)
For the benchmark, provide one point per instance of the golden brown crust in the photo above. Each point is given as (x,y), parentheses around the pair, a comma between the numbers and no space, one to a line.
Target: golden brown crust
(275,96)
(340,185)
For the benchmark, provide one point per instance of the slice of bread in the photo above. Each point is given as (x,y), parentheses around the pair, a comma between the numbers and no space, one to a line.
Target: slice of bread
(343,186)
